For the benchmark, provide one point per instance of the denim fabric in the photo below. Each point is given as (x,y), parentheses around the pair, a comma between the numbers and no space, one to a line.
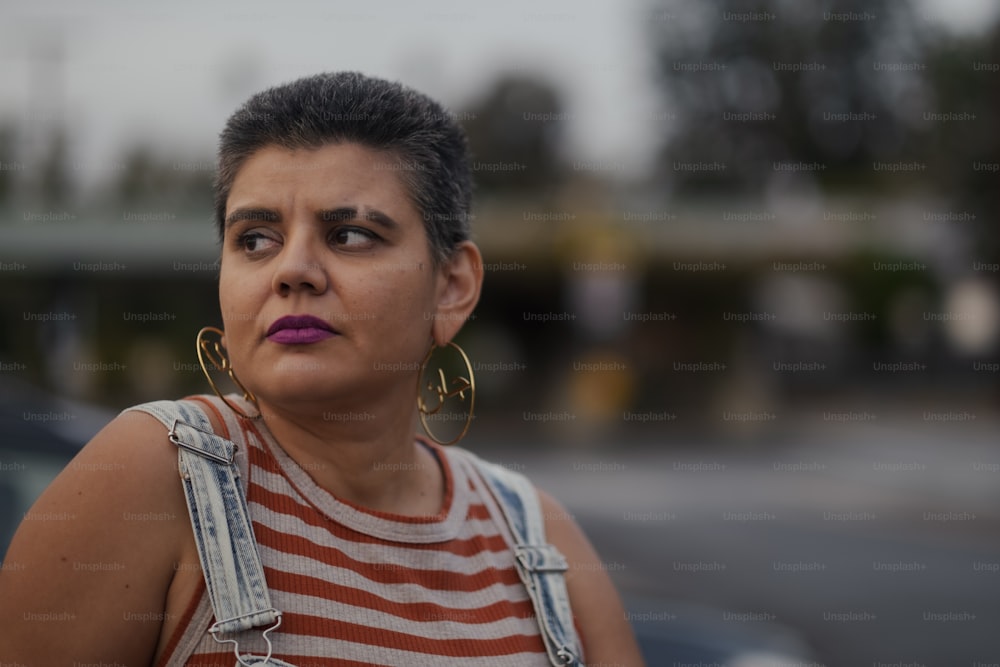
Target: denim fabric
(541,567)
(226,544)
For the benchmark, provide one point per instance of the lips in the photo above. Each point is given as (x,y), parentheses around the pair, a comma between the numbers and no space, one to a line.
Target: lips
(299,330)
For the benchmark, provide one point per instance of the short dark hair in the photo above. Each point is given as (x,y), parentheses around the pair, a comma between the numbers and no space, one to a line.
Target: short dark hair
(340,107)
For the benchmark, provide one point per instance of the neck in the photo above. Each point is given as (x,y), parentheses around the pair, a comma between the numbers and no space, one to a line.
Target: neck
(364,455)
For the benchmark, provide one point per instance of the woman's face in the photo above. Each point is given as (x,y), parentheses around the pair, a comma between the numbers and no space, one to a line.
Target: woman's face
(329,234)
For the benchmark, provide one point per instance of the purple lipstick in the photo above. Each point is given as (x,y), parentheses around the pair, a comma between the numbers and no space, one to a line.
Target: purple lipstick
(299,330)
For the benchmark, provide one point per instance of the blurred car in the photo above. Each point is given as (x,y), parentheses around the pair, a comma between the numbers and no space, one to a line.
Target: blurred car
(39,435)
(672,633)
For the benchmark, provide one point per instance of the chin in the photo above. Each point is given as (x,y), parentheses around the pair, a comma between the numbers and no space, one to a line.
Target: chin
(300,388)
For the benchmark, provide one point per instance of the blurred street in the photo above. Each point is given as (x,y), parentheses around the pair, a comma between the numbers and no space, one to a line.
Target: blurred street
(878,544)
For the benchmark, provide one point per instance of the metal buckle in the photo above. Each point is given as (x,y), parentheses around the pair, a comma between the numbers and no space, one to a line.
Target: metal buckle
(236,645)
(543,558)
(175,438)
(565,655)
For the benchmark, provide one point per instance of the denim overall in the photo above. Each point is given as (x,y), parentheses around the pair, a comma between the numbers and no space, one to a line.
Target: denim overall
(234,577)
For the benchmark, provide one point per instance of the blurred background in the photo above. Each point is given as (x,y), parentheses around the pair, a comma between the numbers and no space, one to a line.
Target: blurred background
(742,299)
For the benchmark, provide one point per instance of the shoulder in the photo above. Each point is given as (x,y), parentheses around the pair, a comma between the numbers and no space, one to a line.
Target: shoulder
(98,548)
(597,609)
(598,612)
(131,457)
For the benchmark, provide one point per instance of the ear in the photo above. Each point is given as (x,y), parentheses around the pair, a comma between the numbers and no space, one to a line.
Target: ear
(459,282)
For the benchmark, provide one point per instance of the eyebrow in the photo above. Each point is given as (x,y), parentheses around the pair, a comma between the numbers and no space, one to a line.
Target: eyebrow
(252,214)
(340,214)
(345,213)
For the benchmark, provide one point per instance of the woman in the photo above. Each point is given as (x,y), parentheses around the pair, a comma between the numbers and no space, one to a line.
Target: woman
(342,203)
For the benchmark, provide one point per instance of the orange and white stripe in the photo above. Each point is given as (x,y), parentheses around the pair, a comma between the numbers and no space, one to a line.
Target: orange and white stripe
(359,587)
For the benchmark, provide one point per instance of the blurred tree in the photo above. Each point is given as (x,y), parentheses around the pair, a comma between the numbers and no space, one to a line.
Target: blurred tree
(54,182)
(515,132)
(9,167)
(963,74)
(137,179)
(774,93)
(754,83)
(151,178)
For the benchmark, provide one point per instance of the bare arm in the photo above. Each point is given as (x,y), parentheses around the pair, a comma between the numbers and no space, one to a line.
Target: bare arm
(87,573)
(607,635)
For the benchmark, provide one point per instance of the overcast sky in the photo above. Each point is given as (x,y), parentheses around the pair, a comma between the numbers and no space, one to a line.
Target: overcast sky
(179,69)
(170,73)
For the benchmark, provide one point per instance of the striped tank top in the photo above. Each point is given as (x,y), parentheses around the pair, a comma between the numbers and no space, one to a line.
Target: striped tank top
(362,587)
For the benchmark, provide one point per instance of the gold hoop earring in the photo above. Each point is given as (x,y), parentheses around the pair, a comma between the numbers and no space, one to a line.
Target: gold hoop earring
(462,386)
(217,356)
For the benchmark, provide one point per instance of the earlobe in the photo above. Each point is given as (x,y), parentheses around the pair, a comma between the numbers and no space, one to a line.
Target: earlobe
(459,283)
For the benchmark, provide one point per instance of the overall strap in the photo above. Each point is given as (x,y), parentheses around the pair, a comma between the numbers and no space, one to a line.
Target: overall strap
(227,548)
(540,565)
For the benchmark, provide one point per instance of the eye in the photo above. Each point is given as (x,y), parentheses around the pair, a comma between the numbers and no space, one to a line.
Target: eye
(354,238)
(255,243)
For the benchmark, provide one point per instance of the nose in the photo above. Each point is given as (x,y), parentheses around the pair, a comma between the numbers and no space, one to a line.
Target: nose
(299,264)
